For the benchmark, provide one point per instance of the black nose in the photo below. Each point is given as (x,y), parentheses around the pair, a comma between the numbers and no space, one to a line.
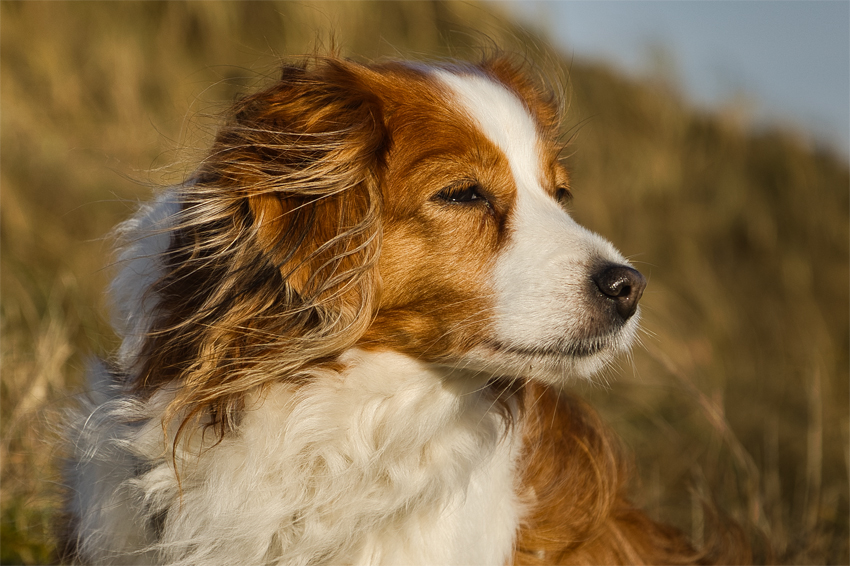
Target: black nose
(622,285)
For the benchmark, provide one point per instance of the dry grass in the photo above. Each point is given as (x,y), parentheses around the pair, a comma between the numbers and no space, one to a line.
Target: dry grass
(740,393)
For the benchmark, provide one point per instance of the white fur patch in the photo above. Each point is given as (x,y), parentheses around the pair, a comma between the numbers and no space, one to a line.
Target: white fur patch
(390,462)
(145,238)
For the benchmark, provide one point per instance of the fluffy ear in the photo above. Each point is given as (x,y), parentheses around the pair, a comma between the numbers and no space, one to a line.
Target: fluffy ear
(317,242)
(310,149)
(273,260)
(315,207)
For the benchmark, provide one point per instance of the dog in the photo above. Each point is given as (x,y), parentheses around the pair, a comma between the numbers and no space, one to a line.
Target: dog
(345,341)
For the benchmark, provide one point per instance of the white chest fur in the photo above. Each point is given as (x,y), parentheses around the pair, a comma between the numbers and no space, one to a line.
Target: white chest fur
(390,462)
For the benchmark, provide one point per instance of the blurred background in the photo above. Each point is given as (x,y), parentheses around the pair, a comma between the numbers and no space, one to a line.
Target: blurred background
(735,206)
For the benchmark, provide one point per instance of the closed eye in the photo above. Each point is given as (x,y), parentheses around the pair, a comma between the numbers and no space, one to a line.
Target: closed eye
(563,196)
(465,193)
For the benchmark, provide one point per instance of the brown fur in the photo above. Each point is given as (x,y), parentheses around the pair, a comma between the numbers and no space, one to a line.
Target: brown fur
(576,483)
(272,262)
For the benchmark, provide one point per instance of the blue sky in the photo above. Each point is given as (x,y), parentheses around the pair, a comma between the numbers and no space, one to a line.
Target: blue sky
(788,60)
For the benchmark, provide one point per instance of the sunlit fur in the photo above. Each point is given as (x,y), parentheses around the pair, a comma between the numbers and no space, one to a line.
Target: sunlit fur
(345,338)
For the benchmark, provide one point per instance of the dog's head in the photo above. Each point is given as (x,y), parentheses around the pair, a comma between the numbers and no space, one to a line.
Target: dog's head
(481,265)
(392,206)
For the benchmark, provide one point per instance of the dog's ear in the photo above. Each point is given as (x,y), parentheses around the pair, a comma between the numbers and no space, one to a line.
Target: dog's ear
(273,258)
(318,241)
(306,155)
(315,209)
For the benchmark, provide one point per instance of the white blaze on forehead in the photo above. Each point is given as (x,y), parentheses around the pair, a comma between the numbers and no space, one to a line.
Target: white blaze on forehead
(504,119)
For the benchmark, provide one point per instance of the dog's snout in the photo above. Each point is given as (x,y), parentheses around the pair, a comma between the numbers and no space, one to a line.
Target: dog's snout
(622,285)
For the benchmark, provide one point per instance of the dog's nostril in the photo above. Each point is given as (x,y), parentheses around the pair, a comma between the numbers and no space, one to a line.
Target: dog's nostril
(623,285)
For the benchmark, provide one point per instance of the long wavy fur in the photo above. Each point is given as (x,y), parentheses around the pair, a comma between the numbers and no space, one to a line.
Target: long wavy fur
(252,290)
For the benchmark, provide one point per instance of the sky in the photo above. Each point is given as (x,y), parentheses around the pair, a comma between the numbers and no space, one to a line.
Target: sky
(786,61)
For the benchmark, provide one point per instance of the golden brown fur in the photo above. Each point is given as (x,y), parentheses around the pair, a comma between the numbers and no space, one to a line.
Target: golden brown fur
(576,481)
(283,217)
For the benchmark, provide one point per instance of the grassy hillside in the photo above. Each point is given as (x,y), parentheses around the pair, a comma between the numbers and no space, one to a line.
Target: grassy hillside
(740,389)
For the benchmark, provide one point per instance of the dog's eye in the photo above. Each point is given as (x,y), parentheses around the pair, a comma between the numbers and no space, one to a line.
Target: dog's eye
(465,193)
(563,196)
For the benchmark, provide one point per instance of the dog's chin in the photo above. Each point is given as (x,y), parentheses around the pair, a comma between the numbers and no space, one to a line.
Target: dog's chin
(551,367)
(558,363)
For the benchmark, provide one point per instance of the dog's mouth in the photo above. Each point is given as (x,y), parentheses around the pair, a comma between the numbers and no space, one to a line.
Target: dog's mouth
(583,348)
(555,357)
(554,361)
